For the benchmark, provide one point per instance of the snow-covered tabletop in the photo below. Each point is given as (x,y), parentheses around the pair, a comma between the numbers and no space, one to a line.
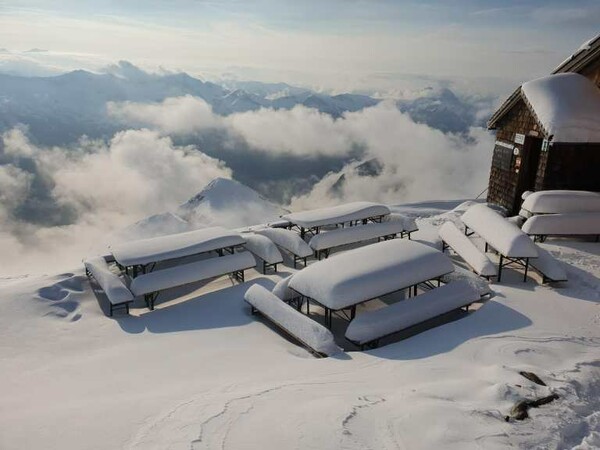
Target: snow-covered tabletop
(337,214)
(368,272)
(502,235)
(146,251)
(561,201)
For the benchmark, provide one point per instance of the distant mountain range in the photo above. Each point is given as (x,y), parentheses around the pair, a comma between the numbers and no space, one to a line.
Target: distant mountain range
(60,109)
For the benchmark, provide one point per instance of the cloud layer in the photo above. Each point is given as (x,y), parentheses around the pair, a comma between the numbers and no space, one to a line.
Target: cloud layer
(103,187)
(419,162)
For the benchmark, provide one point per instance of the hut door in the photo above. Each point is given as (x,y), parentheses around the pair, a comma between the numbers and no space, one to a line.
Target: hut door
(529,159)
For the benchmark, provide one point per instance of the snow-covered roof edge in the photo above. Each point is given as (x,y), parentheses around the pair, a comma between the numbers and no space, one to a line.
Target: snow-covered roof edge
(566,106)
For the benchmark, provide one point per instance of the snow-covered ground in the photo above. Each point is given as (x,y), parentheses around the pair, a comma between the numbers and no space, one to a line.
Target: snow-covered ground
(200,372)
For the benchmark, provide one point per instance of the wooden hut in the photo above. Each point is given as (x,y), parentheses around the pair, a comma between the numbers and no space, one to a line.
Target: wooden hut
(548,132)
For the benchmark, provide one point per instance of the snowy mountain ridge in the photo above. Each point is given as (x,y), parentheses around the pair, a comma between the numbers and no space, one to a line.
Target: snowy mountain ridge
(224,202)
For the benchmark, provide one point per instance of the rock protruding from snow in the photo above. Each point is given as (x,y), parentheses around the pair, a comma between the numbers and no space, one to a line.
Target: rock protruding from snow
(497,231)
(312,334)
(369,272)
(228,203)
(567,106)
(372,325)
(561,201)
(467,250)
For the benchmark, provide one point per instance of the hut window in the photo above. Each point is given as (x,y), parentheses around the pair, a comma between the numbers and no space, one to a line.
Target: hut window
(503,156)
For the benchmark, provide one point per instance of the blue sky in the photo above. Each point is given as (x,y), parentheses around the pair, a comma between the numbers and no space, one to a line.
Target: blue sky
(333,44)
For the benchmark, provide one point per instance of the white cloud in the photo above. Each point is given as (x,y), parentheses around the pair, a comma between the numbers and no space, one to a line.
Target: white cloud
(109,185)
(175,115)
(299,131)
(14,186)
(419,162)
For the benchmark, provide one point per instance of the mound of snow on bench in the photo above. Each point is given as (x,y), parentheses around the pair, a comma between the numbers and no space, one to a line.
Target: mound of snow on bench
(306,330)
(408,223)
(337,214)
(114,288)
(549,266)
(282,289)
(189,273)
(501,234)
(563,224)
(561,201)
(467,250)
(288,240)
(351,235)
(372,325)
(477,283)
(263,247)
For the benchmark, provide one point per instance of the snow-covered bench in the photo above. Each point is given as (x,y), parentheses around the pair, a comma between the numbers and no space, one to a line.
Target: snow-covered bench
(368,328)
(315,337)
(149,285)
(513,245)
(452,237)
(561,202)
(283,292)
(479,284)
(547,265)
(322,243)
(264,248)
(289,241)
(568,224)
(408,223)
(119,297)
(350,213)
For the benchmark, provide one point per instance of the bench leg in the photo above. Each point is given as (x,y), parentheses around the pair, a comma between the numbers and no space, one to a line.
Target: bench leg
(111,310)
(526,267)
(500,269)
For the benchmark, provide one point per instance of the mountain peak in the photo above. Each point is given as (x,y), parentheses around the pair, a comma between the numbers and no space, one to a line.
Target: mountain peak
(230,203)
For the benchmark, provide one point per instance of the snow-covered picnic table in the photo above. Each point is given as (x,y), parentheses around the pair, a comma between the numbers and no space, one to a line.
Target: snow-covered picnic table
(356,276)
(513,245)
(335,215)
(149,251)
(560,202)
